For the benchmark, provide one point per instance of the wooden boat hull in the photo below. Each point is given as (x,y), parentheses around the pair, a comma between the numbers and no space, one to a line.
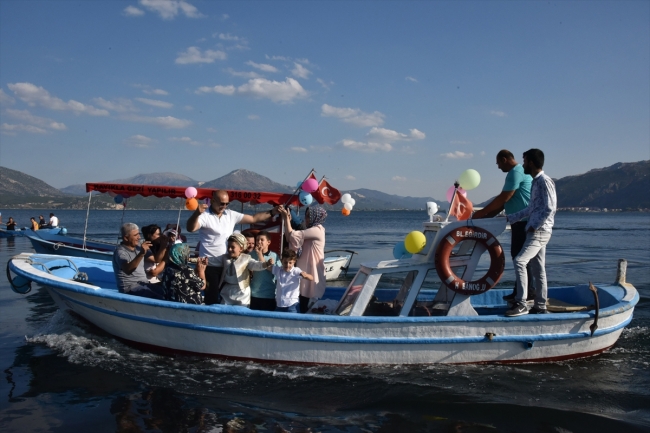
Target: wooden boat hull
(237,332)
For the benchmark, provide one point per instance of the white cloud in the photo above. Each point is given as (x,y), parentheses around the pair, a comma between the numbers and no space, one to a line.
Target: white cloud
(34,95)
(324,83)
(168,9)
(185,140)
(411,79)
(156,92)
(194,55)
(155,103)
(350,177)
(262,66)
(253,117)
(167,122)
(300,71)
(6,99)
(390,136)
(11,129)
(227,37)
(141,141)
(247,74)
(276,91)
(132,11)
(120,105)
(482,153)
(498,113)
(399,179)
(366,146)
(299,149)
(211,130)
(42,122)
(188,108)
(353,115)
(457,155)
(224,90)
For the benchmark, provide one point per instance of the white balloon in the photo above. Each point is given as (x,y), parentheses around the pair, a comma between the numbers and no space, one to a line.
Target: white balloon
(345,198)
(352,201)
(347,206)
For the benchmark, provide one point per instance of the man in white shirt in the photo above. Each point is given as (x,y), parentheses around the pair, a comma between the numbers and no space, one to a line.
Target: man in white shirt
(215,224)
(54,221)
(540,213)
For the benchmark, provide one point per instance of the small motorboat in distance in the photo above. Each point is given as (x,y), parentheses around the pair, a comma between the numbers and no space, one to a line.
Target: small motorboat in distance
(27,232)
(337,263)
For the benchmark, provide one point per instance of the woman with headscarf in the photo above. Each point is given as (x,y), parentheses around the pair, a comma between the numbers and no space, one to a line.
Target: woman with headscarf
(235,279)
(180,282)
(312,257)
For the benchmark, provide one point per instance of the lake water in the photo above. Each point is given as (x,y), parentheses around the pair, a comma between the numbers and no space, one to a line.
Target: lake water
(62,374)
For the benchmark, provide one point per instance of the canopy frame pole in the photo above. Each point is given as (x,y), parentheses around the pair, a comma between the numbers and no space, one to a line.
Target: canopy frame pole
(178,221)
(90,194)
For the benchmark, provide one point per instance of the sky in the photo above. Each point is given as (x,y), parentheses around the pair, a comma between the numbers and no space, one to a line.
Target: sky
(396,96)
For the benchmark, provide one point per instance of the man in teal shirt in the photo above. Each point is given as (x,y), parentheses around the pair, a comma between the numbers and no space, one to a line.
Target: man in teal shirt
(513,198)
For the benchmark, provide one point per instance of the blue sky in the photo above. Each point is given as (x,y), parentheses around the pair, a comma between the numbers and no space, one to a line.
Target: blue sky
(400,97)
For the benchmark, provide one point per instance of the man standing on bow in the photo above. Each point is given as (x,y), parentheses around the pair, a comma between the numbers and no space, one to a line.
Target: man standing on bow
(540,212)
(215,224)
(514,197)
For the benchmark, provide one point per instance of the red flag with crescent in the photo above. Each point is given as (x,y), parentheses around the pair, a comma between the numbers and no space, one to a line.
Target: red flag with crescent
(326,193)
(461,207)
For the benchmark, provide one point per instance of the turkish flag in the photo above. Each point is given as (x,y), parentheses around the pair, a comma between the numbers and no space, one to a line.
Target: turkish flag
(461,207)
(326,193)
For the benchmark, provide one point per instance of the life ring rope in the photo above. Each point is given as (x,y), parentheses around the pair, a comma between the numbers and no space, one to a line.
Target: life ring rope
(480,236)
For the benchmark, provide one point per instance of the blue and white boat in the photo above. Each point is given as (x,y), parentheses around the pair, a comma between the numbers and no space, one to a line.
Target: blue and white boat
(392,312)
(27,232)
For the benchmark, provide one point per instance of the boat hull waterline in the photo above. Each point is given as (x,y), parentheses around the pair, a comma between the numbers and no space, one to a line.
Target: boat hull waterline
(236,332)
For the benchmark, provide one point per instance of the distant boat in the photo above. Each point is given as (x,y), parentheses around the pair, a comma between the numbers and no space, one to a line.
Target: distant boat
(26,232)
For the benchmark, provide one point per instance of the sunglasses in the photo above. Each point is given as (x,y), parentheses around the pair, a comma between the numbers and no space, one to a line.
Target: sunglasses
(222,204)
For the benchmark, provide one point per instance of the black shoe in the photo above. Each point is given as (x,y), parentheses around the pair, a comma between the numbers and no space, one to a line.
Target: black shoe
(530,297)
(536,310)
(517,310)
(510,297)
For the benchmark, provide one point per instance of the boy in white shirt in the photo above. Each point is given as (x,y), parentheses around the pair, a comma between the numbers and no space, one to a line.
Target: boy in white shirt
(287,282)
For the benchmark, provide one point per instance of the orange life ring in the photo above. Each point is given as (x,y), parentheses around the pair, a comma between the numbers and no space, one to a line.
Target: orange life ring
(451,280)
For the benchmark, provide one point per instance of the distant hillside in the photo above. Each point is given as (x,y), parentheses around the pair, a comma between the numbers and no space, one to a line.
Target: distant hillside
(242,179)
(167,178)
(368,199)
(619,186)
(16,183)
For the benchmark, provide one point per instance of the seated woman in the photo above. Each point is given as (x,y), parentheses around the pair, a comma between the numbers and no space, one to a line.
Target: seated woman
(180,282)
(235,278)
(154,260)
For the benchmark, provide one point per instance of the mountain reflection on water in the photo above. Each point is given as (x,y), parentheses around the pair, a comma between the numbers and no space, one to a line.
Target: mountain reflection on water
(64,374)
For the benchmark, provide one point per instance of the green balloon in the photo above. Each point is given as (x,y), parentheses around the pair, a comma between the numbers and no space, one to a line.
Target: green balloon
(469,179)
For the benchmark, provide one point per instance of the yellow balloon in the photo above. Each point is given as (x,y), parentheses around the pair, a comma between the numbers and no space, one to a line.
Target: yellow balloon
(415,242)
(469,179)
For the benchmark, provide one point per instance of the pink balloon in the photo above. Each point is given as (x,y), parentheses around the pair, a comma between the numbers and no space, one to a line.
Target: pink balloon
(310,185)
(450,192)
(190,192)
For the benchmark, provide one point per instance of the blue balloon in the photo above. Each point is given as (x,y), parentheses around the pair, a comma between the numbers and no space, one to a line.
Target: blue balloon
(118,199)
(305,198)
(399,251)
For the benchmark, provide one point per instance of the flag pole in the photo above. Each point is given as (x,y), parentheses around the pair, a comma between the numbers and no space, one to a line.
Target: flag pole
(295,192)
(453,197)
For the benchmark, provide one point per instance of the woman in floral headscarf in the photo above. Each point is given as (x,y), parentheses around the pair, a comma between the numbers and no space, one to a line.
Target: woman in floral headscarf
(311,260)
(180,282)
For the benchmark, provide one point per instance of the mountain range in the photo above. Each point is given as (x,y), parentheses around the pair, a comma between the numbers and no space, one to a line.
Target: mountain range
(619,186)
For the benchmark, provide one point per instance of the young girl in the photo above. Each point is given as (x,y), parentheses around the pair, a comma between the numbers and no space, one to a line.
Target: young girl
(235,279)
(287,286)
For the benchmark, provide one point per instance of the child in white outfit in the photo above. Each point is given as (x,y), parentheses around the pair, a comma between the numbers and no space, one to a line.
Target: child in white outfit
(287,283)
